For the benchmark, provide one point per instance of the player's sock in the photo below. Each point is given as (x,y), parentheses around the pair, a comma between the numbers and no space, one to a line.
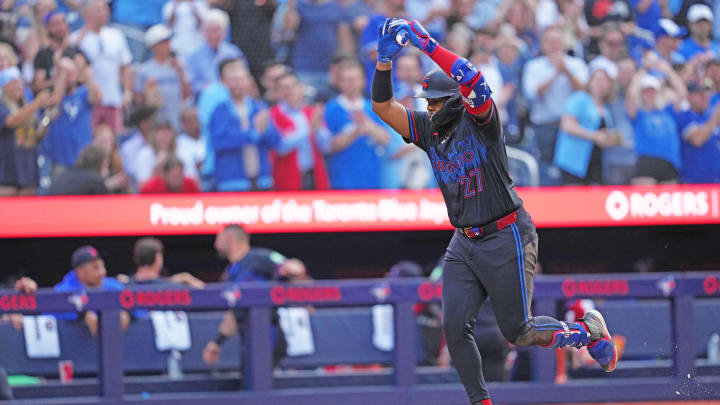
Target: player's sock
(572,334)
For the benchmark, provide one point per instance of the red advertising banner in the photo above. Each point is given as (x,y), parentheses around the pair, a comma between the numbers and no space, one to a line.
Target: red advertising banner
(341,211)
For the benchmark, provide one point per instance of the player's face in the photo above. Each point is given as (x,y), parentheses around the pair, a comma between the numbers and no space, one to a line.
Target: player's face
(434,105)
(91,274)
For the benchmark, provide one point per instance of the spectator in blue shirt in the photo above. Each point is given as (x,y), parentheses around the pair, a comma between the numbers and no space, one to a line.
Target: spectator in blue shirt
(657,143)
(586,128)
(699,128)
(89,273)
(202,64)
(71,131)
(667,41)
(700,19)
(238,132)
(357,135)
(321,30)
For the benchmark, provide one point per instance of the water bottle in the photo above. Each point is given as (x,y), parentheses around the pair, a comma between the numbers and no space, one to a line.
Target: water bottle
(174,367)
(713,349)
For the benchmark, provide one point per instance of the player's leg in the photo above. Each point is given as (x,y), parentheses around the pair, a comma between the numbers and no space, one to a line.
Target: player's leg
(506,266)
(462,295)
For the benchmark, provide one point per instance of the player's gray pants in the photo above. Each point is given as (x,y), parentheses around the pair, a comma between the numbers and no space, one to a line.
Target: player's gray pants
(501,266)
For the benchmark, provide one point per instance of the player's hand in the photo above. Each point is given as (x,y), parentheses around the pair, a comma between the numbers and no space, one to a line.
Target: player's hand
(211,353)
(418,36)
(91,320)
(390,39)
(26,285)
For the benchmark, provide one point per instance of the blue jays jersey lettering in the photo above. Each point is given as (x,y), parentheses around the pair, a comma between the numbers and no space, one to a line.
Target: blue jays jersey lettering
(470,166)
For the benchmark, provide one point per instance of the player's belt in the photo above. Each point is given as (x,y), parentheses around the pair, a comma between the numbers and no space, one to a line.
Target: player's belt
(477,232)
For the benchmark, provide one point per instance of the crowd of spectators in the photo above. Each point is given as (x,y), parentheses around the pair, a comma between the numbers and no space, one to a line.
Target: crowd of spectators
(163,96)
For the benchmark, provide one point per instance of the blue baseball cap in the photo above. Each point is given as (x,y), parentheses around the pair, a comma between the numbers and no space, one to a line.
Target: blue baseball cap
(83,255)
(667,28)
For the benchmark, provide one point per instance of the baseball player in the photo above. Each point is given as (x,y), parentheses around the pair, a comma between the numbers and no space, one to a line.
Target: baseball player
(494,249)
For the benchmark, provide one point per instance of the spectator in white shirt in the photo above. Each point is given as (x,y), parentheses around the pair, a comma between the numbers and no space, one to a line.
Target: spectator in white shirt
(108,52)
(548,81)
(190,140)
(185,17)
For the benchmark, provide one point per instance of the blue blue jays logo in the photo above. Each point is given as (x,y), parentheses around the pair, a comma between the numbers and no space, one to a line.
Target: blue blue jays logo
(426,83)
(465,155)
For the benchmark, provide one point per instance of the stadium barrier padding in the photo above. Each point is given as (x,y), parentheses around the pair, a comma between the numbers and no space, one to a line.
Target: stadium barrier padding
(681,319)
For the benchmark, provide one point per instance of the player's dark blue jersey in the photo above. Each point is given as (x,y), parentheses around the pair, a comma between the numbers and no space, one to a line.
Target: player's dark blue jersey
(470,166)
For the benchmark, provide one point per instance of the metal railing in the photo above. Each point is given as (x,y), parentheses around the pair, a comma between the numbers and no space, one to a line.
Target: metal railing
(260,298)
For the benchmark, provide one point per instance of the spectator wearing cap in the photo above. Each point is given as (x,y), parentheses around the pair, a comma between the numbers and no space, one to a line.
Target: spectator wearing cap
(71,130)
(20,132)
(58,34)
(203,63)
(699,128)
(185,20)
(298,163)
(166,71)
(657,143)
(148,256)
(87,177)
(587,128)
(667,40)
(238,132)
(162,144)
(108,52)
(169,178)
(89,273)
(143,118)
(700,19)
(547,81)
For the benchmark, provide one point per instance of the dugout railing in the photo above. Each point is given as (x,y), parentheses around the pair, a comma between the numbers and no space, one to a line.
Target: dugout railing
(259,386)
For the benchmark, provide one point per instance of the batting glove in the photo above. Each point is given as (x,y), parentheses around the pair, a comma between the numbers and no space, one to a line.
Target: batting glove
(419,36)
(390,39)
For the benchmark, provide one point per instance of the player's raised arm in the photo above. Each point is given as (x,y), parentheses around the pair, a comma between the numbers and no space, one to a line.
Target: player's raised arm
(383,102)
(475,91)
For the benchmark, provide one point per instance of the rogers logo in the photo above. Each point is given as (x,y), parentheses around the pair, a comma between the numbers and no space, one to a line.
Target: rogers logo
(711,285)
(279,294)
(166,298)
(571,288)
(430,291)
(667,204)
(15,302)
